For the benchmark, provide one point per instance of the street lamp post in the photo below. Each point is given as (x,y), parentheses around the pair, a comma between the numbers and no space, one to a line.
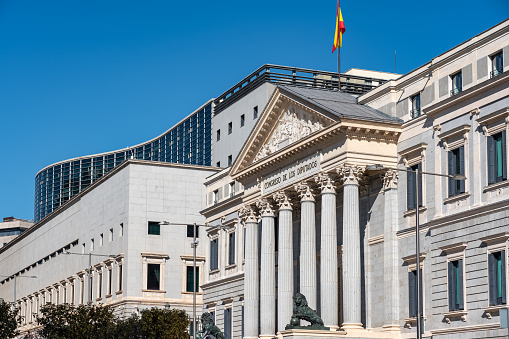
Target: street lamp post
(194,244)
(15,280)
(90,268)
(417,237)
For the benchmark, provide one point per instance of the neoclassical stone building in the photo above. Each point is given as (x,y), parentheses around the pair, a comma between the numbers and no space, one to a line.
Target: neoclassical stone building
(310,217)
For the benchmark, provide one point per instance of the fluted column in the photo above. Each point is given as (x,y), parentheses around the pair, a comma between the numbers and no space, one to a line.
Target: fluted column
(328,253)
(268,271)
(285,261)
(251,281)
(391,257)
(307,244)
(350,176)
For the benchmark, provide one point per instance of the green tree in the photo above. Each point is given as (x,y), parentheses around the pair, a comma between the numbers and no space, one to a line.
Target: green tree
(165,323)
(9,318)
(129,328)
(86,322)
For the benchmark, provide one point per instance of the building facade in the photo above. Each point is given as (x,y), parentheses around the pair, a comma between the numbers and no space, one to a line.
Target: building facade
(312,215)
(11,227)
(117,253)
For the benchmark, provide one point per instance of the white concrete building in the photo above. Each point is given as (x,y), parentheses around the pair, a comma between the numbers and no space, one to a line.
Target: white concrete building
(135,262)
(311,217)
(11,227)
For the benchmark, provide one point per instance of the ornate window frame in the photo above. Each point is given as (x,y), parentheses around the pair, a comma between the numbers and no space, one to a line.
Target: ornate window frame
(411,261)
(158,259)
(412,156)
(496,243)
(187,261)
(451,140)
(456,252)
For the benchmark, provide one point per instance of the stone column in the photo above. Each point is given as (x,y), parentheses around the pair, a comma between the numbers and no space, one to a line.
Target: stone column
(350,176)
(391,258)
(251,281)
(328,253)
(307,244)
(285,261)
(268,271)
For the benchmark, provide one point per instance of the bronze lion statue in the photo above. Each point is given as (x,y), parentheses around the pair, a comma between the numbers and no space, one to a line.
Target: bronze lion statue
(301,311)
(208,329)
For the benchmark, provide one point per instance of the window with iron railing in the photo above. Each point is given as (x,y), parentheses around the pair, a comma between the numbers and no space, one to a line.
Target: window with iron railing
(497,66)
(456,83)
(416,106)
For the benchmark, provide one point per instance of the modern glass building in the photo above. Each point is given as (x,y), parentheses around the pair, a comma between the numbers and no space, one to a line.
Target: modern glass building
(188,142)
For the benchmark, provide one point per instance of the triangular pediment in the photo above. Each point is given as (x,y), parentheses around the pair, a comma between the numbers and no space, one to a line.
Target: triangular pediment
(286,120)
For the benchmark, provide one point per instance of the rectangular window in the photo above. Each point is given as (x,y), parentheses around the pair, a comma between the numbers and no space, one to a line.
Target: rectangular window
(497,163)
(99,285)
(110,279)
(189,280)
(228,323)
(91,244)
(230,127)
(255,112)
(455,285)
(190,231)
(153,276)
(111,235)
(456,164)
(230,160)
(412,293)
(218,135)
(213,254)
(416,105)
(497,278)
(121,230)
(232,189)
(72,293)
(154,228)
(231,248)
(216,196)
(411,187)
(497,64)
(457,84)
(101,239)
(82,290)
(242,120)
(218,164)
(120,275)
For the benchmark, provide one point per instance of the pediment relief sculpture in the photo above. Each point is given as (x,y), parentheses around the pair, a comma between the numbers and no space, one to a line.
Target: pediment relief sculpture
(293,126)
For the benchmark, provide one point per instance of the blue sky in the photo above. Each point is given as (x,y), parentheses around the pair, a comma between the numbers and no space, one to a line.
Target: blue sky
(84,77)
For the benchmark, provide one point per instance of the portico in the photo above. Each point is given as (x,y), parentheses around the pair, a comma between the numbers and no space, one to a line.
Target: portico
(301,159)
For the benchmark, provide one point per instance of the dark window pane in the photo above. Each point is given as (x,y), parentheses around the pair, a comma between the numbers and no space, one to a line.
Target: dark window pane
(154,228)
(189,280)
(153,276)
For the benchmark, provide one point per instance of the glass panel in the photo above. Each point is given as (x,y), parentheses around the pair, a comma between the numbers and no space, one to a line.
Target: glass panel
(153,276)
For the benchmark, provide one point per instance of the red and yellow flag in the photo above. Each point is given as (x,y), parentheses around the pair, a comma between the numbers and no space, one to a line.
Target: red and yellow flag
(340,29)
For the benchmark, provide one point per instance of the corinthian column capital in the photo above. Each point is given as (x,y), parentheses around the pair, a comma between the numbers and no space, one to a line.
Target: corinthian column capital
(248,214)
(283,199)
(305,191)
(266,207)
(350,174)
(327,182)
(390,179)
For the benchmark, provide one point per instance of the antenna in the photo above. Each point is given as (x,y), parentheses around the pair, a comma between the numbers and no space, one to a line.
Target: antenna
(394,61)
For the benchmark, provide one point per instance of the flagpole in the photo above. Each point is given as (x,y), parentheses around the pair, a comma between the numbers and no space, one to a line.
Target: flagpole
(339,54)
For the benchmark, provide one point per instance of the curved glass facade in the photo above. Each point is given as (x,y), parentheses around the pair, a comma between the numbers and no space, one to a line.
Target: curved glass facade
(189,142)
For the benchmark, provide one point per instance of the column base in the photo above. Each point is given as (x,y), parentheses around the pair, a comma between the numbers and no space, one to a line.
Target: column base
(352,326)
(365,334)
(268,336)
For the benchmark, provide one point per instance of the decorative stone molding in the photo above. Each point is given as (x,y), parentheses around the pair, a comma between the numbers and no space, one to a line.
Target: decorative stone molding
(413,155)
(475,111)
(293,126)
(494,122)
(247,214)
(283,199)
(489,311)
(266,208)
(390,179)
(326,183)
(455,314)
(455,137)
(499,238)
(437,128)
(305,191)
(454,248)
(411,261)
(350,174)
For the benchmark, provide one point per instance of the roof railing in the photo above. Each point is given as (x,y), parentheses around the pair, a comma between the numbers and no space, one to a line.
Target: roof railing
(284,75)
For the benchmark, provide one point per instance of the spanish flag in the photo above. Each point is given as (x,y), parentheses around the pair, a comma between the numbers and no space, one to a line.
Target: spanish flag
(340,29)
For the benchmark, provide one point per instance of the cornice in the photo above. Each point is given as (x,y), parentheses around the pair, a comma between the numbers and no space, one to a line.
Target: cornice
(222,205)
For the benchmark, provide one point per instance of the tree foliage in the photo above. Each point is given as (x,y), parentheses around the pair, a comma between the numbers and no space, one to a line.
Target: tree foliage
(98,322)
(9,318)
